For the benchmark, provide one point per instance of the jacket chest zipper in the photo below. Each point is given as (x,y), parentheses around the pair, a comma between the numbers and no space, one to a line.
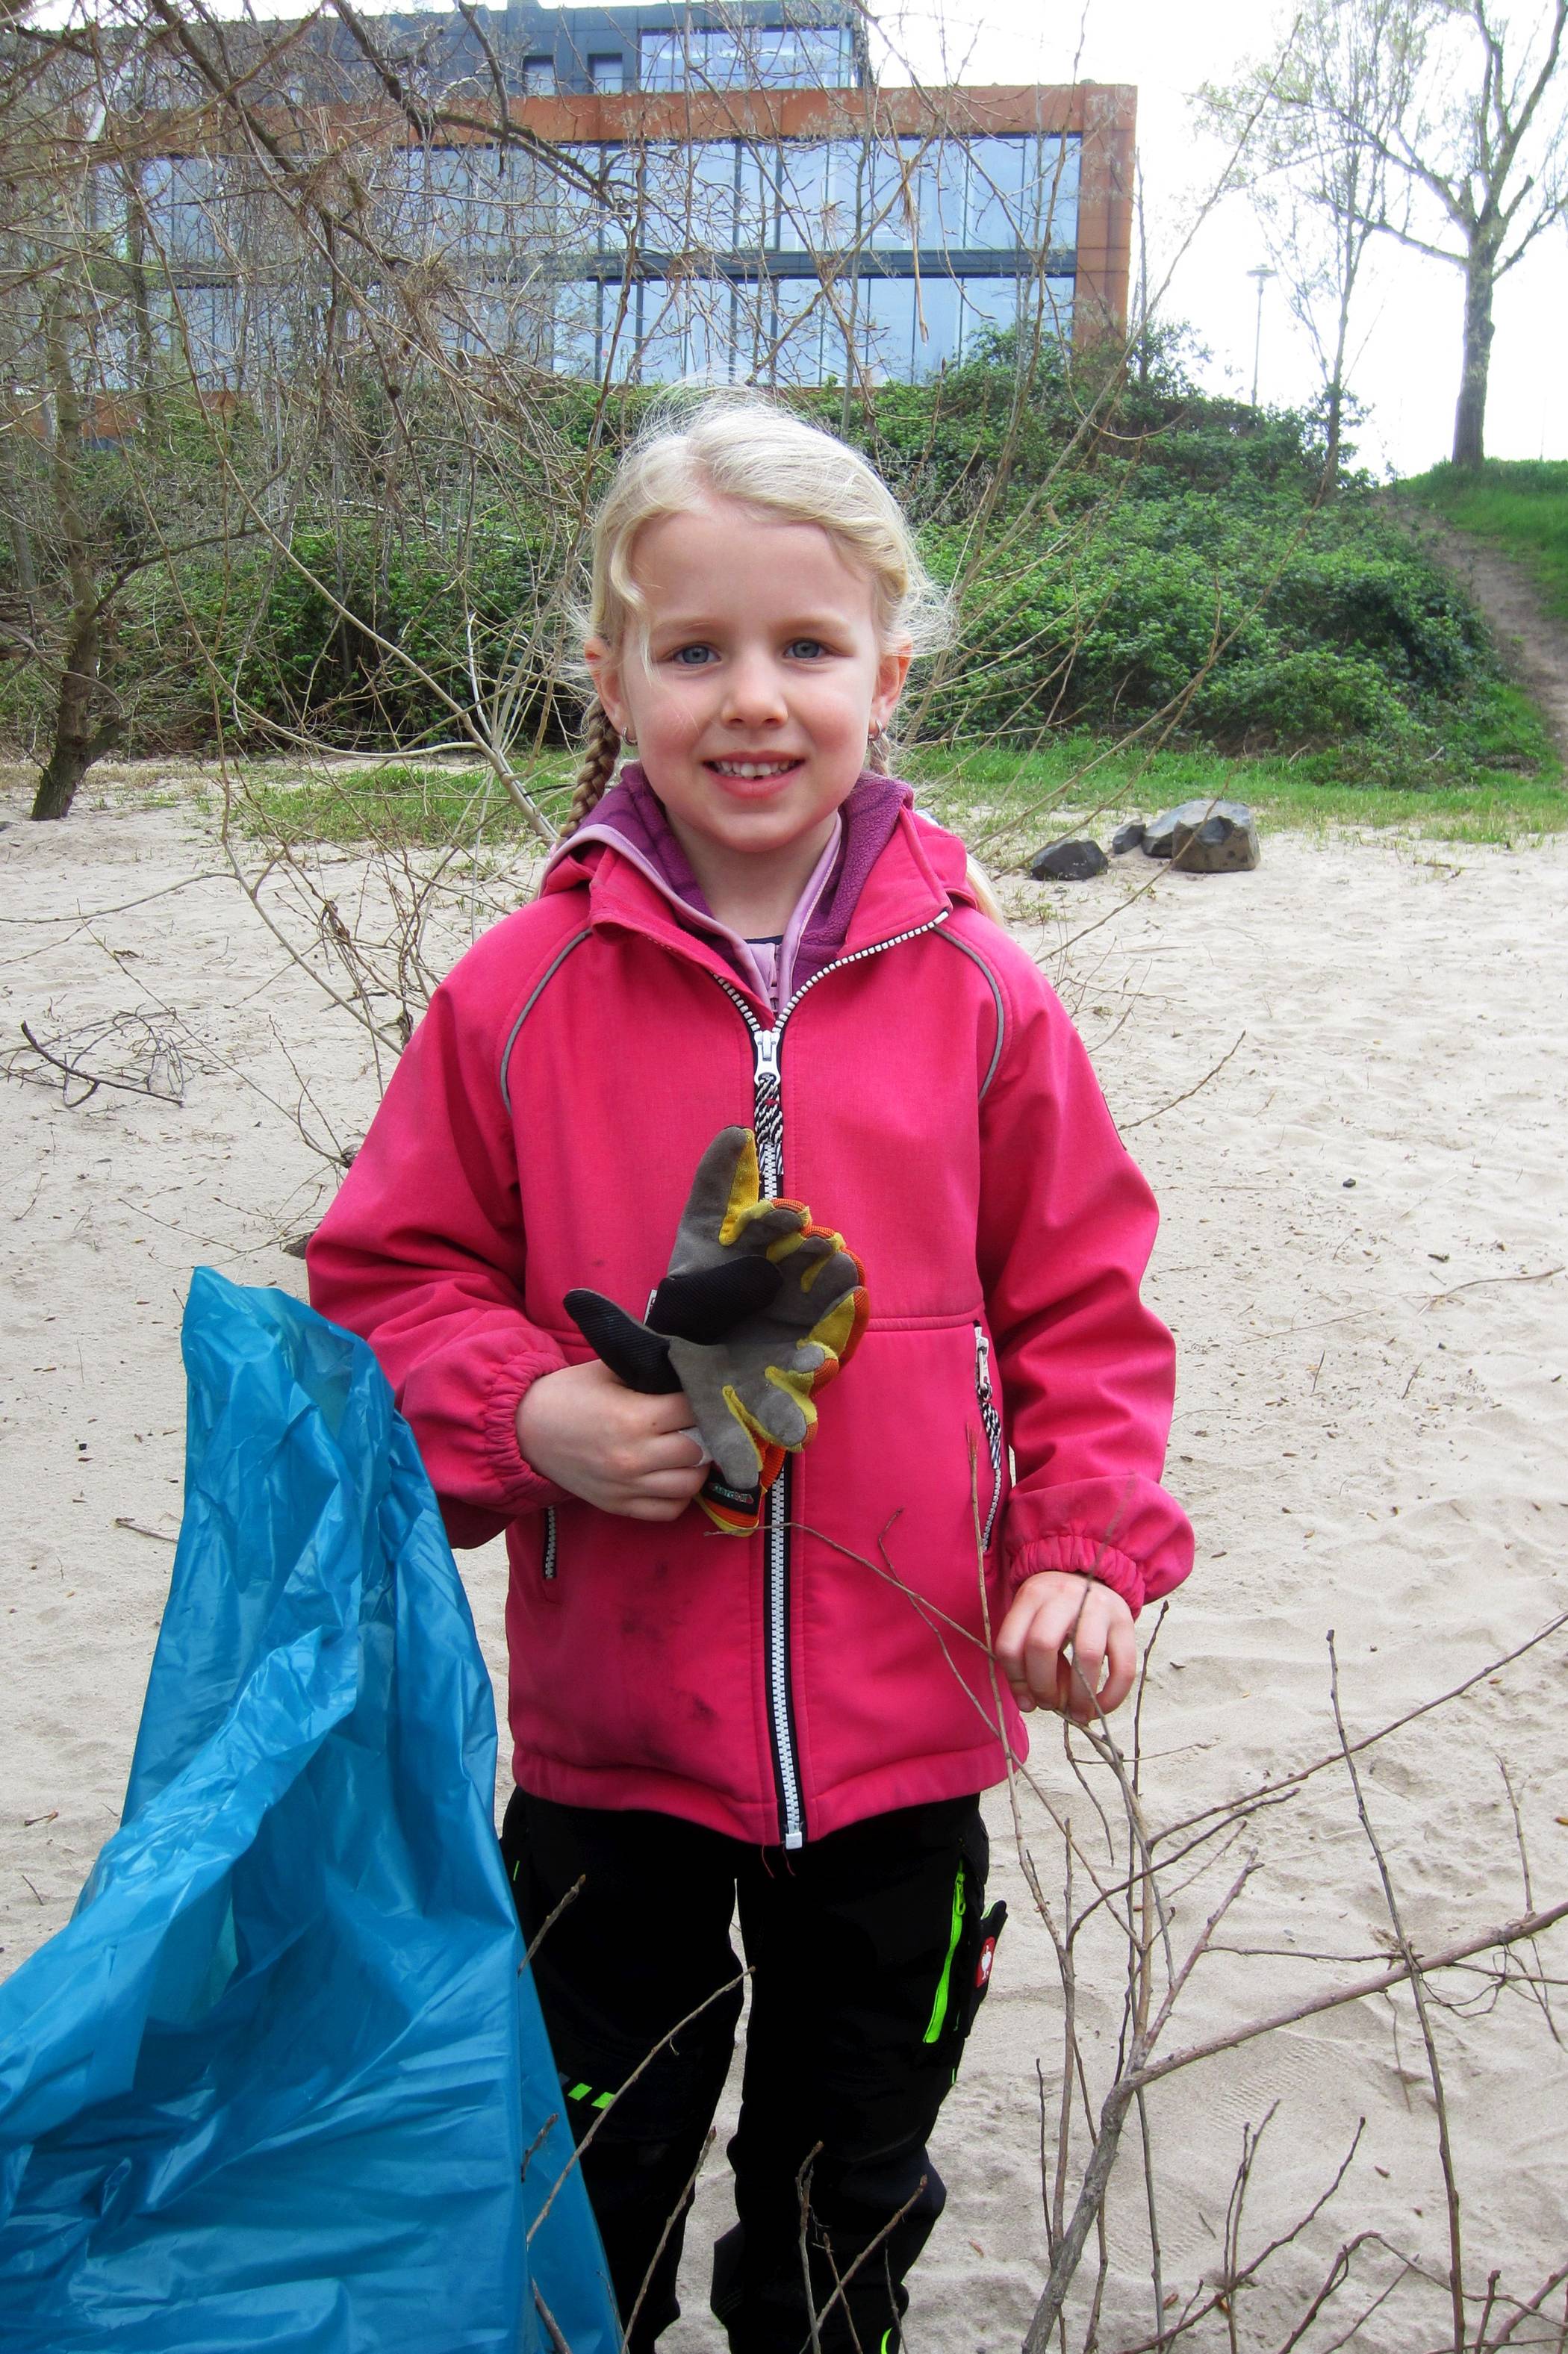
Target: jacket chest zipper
(768,1120)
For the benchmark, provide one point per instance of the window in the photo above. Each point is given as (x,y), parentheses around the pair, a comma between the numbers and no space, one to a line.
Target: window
(1049,301)
(182,202)
(885,327)
(756,198)
(589,222)
(990,307)
(1023,191)
(577,329)
(1056,203)
(209,325)
(687,331)
(936,344)
(802,192)
(1000,171)
(915,194)
(539,77)
(608,73)
(748,57)
(689,197)
(803,323)
(712,166)
(491,228)
(755,330)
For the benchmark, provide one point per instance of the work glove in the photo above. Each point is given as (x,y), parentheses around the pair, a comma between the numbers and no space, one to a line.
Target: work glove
(758,1312)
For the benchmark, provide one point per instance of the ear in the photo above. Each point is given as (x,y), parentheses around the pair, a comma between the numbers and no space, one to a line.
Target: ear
(891,670)
(605,671)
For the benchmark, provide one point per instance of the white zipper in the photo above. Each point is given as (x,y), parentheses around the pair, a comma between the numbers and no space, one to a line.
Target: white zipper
(991,1422)
(768,1120)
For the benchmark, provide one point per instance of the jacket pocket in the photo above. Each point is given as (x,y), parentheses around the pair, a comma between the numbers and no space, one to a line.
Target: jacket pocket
(990,1423)
(550,1552)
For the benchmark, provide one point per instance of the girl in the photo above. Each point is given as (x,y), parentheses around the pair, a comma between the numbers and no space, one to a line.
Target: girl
(754,926)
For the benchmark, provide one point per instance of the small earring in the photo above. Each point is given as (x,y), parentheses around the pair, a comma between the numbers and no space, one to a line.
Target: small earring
(628,738)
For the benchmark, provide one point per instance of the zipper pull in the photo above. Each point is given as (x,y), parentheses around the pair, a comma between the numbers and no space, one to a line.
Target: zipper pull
(765,1046)
(982,1361)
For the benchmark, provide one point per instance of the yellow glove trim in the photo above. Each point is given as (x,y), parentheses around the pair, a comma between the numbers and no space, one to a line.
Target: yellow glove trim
(753,1428)
(836,1326)
(745,1187)
(833,1243)
(800,1387)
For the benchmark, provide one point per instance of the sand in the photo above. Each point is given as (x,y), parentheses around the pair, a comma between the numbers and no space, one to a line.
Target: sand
(1362,1254)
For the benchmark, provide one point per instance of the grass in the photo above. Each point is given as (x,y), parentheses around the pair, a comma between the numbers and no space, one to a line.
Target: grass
(1518,506)
(1488,778)
(1080,784)
(398,801)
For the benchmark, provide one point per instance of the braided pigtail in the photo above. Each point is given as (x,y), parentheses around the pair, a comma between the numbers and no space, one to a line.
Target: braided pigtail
(878,753)
(602,749)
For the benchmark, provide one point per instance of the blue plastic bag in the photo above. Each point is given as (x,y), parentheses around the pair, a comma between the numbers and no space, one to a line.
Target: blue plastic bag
(281,2081)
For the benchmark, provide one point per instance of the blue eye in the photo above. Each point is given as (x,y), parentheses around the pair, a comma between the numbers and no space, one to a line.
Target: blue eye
(691,657)
(804,649)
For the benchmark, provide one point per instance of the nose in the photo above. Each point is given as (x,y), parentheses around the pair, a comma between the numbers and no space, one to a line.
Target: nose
(754,693)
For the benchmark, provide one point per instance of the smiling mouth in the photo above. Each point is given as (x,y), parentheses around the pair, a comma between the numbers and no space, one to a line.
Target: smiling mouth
(752,769)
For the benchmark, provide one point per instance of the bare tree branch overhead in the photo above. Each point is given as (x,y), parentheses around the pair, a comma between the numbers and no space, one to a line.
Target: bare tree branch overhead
(1440,123)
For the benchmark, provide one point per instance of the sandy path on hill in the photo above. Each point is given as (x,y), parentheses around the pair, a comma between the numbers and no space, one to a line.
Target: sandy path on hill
(1363,1256)
(1531,640)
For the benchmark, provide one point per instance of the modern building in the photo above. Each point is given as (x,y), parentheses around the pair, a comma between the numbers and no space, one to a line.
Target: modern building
(741,199)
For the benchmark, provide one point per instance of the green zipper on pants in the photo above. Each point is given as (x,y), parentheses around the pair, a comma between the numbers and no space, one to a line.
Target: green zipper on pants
(944,1984)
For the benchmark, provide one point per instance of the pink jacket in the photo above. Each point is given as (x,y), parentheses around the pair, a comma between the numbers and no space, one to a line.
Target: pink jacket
(929,1099)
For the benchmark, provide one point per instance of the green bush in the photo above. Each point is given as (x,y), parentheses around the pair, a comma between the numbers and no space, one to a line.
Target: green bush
(1162,552)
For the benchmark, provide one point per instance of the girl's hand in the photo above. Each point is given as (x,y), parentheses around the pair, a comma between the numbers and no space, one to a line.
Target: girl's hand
(1051,1612)
(612,1447)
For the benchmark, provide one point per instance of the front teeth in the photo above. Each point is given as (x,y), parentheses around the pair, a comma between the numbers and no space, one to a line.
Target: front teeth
(752,768)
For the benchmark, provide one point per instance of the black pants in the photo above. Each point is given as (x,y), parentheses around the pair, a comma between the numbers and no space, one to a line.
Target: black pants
(869,1951)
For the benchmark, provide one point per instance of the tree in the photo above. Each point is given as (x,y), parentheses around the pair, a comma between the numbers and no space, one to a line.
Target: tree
(1320,189)
(1453,110)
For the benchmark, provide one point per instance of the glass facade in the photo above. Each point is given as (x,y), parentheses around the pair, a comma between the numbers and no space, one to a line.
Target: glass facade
(747,57)
(796,331)
(786,261)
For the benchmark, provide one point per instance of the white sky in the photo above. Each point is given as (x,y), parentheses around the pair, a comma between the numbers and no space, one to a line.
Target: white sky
(1408,374)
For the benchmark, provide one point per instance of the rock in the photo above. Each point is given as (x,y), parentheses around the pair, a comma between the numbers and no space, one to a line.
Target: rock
(1128,837)
(1068,862)
(1206,837)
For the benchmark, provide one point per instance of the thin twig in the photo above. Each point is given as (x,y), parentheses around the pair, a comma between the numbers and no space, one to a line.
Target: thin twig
(1418,1990)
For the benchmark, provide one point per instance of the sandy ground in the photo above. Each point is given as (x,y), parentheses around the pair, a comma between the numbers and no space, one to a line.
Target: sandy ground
(1363,1256)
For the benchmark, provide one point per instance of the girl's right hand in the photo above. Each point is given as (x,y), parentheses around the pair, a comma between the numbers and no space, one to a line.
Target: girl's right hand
(613,1446)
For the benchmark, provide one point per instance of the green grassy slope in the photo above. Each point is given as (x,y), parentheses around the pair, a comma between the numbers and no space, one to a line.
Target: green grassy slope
(1518,506)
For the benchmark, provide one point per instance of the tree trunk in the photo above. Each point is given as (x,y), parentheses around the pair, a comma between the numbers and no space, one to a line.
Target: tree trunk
(1471,415)
(77,743)
(1335,432)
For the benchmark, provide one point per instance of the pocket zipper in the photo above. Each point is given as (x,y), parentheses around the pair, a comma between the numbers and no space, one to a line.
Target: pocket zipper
(945,1983)
(991,1422)
(547,1564)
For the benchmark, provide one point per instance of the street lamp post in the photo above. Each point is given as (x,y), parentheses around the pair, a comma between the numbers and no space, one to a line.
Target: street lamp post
(1262,273)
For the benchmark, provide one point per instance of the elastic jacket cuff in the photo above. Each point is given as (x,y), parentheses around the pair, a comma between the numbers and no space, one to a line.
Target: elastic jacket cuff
(522,1489)
(1080,1555)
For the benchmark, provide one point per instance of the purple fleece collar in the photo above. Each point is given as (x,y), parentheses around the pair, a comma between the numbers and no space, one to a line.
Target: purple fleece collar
(632,815)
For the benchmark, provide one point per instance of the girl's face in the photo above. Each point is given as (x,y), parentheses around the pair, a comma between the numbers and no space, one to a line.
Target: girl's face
(761,677)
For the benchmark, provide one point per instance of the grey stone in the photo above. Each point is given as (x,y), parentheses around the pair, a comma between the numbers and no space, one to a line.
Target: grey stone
(1206,837)
(1068,862)
(1128,837)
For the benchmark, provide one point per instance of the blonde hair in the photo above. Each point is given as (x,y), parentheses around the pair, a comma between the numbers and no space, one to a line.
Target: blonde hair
(740,446)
